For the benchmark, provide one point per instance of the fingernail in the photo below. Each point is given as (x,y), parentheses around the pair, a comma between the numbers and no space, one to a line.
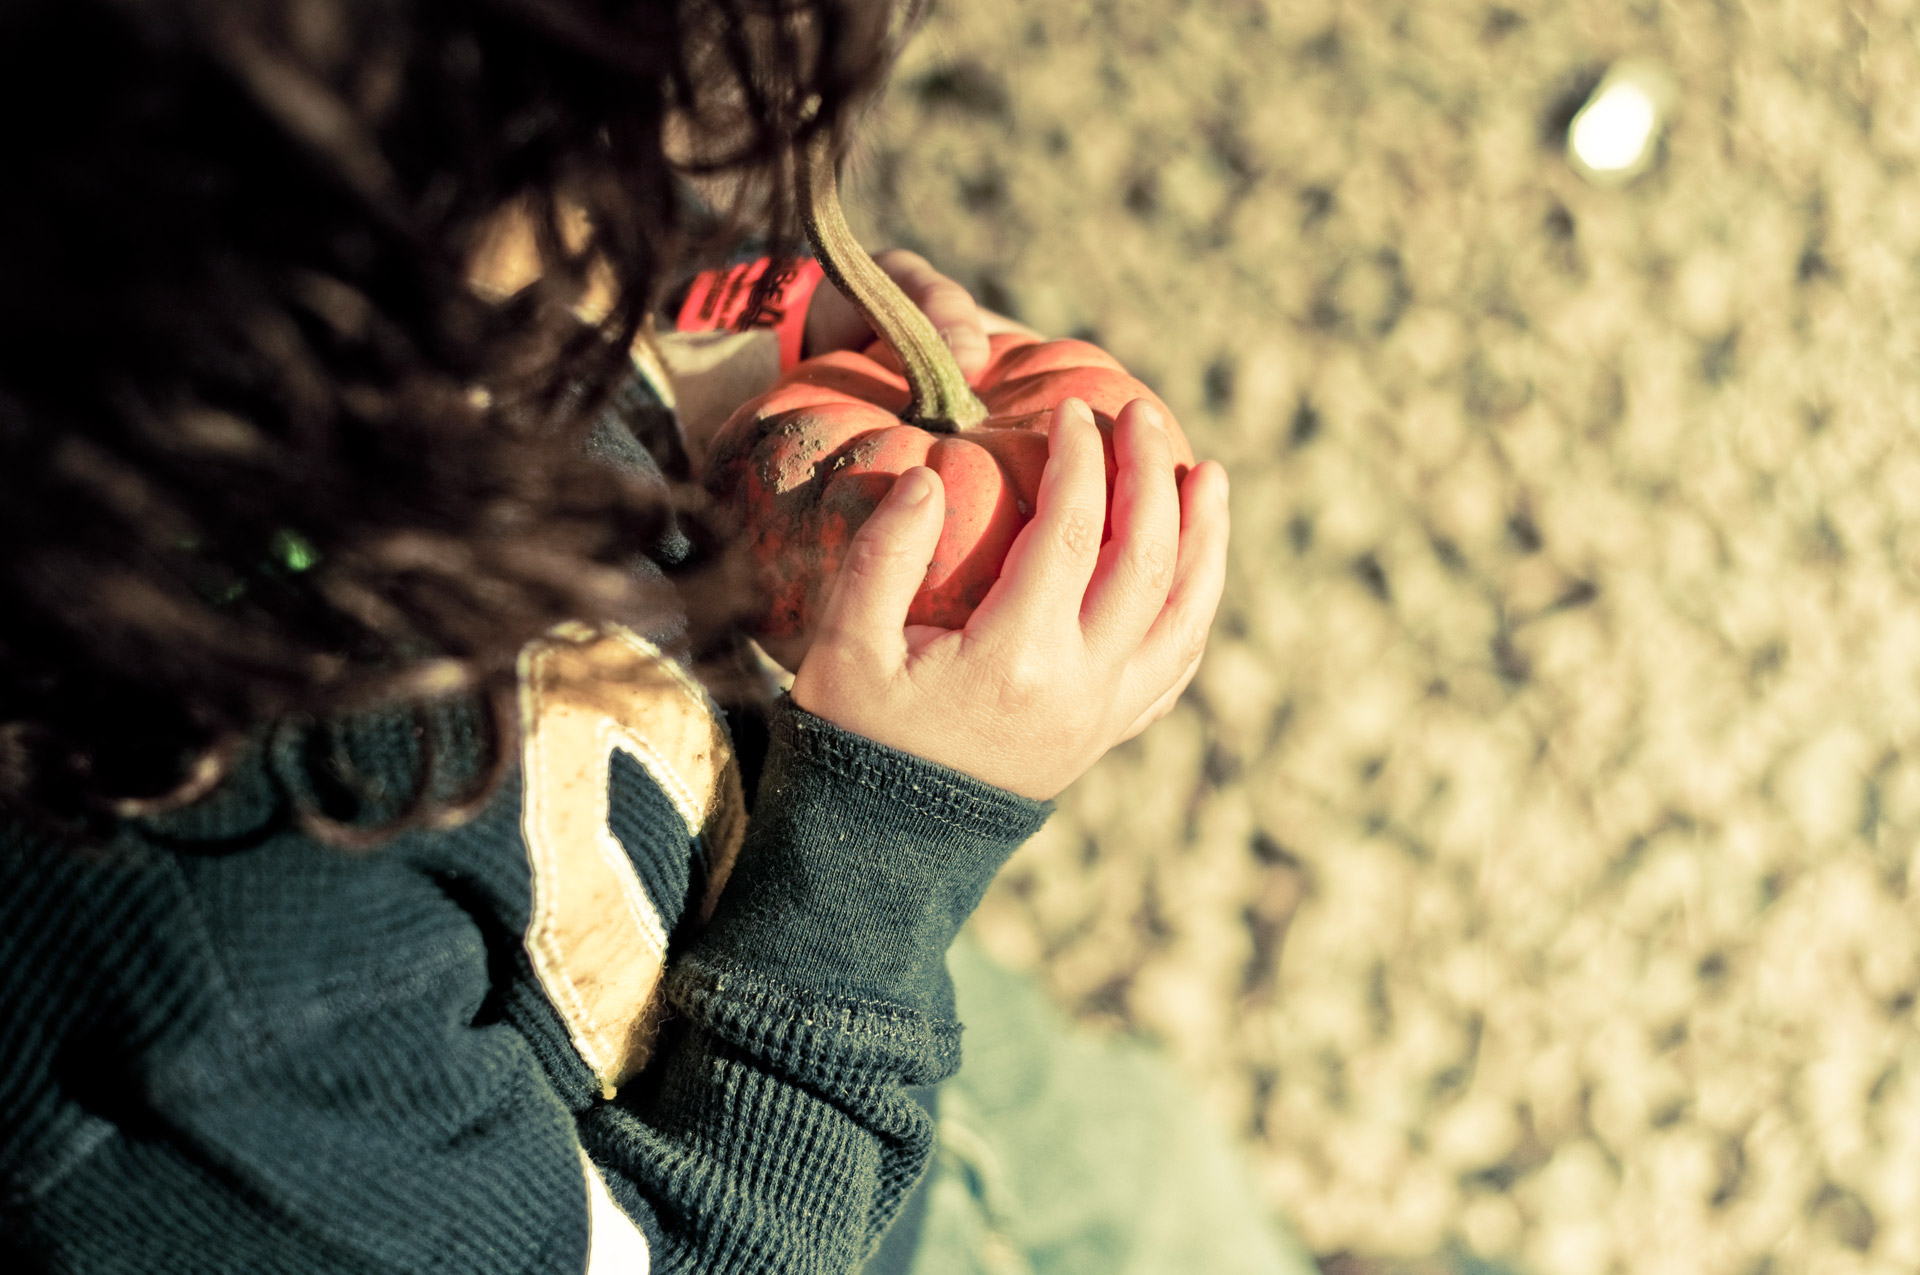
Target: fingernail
(911,488)
(1074,407)
(1150,415)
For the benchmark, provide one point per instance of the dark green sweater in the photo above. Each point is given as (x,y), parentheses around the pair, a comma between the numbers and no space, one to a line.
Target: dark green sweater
(228,1047)
(225,1046)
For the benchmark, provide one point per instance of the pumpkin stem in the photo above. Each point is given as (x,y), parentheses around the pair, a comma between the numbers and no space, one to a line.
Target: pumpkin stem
(942,399)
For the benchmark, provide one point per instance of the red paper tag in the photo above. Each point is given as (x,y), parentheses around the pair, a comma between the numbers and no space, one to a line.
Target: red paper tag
(720,299)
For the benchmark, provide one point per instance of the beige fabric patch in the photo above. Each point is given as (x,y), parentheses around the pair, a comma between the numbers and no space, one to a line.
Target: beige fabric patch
(707,376)
(596,941)
(615,1246)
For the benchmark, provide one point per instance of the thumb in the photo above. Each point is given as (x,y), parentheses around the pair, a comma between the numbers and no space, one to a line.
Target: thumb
(951,309)
(885,565)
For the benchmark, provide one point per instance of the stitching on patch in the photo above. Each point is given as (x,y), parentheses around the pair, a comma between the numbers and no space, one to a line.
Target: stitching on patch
(539,927)
(606,1030)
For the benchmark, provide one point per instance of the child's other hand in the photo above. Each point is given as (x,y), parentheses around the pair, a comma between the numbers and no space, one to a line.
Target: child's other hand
(1077,647)
(833,323)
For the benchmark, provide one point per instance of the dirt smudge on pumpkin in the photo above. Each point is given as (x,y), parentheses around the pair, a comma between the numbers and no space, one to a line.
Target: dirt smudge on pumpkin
(788,452)
(854,497)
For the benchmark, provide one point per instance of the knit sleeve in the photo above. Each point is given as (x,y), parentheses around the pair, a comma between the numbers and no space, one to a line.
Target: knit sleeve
(773,1131)
(229,1047)
(274,1059)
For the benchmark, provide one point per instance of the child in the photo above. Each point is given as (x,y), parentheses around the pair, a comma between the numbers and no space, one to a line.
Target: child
(362,851)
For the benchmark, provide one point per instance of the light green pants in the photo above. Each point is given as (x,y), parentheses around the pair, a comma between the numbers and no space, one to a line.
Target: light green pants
(1062,1153)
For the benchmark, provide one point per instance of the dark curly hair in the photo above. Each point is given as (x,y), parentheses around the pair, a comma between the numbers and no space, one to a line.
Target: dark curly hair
(264,448)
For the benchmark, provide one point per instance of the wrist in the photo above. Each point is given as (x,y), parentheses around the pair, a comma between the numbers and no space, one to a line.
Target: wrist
(861,864)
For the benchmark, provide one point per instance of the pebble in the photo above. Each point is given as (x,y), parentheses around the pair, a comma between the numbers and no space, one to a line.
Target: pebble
(1568,692)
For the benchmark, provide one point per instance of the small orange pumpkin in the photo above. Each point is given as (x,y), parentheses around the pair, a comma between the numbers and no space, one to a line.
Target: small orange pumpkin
(805,464)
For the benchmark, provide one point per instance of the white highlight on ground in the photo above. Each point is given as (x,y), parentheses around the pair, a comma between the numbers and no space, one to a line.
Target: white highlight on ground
(1615,131)
(1616,135)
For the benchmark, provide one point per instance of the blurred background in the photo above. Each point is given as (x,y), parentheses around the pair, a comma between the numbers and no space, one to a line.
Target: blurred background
(1527,874)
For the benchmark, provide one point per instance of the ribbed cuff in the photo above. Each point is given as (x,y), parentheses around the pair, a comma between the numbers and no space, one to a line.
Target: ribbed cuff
(861,863)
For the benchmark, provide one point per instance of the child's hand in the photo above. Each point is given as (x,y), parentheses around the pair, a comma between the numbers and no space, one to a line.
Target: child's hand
(1077,647)
(833,323)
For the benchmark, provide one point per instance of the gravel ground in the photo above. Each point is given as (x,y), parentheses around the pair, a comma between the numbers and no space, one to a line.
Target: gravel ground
(1527,874)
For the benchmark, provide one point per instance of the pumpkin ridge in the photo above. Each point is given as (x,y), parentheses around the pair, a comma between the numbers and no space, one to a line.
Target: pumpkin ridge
(805,464)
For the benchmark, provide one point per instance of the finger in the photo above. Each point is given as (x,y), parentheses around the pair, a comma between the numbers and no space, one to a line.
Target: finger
(1044,578)
(832,323)
(866,614)
(1179,634)
(948,306)
(1162,706)
(993,323)
(1135,570)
